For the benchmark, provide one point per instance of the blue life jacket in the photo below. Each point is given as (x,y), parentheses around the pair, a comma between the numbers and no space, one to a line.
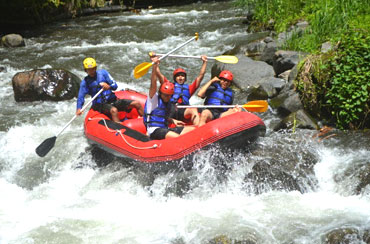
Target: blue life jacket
(220,96)
(90,85)
(158,117)
(181,91)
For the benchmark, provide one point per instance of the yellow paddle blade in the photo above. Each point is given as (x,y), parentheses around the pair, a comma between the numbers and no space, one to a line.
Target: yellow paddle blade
(141,69)
(256,106)
(227,59)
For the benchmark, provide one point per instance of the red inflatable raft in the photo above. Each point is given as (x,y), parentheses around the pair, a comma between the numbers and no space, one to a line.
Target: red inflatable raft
(129,138)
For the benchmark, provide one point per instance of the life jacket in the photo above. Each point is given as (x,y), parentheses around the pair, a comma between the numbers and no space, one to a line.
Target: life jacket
(220,97)
(183,92)
(93,86)
(158,117)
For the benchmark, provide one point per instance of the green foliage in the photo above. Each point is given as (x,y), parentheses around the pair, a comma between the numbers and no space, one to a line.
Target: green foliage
(328,19)
(349,87)
(336,85)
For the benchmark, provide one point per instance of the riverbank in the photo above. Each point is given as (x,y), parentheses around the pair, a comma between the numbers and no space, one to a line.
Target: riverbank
(19,16)
(332,79)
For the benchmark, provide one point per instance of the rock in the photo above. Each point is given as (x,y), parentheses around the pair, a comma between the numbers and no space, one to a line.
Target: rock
(2,69)
(267,87)
(326,47)
(247,72)
(286,60)
(265,177)
(286,103)
(268,53)
(299,119)
(45,84)
(255,48)
(345,235)
(12,40)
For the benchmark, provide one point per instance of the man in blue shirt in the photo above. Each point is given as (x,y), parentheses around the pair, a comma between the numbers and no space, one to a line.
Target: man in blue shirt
(107,102)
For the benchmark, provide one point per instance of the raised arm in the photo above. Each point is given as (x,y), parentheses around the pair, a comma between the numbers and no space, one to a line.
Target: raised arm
(202,70)
(157,70)
(153,79)
(203,89)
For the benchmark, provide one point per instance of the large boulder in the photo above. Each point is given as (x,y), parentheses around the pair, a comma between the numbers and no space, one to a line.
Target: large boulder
(45,84)
(247,72)
(12,40)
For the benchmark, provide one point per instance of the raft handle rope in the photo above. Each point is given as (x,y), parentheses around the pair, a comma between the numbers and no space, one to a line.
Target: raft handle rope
(119,131)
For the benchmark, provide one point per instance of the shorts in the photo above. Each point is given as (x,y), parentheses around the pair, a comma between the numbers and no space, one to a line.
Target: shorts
(216,113)
(160,133)
(178,113)
(120,104)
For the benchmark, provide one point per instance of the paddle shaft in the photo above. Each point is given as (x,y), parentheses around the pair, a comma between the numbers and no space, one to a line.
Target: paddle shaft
(212,106)
(185,56)
(167,54)
(82,109)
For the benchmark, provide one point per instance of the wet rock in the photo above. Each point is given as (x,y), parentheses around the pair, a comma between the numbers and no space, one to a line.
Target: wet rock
(265,177)
(2,69)
(299,119)
(223,239)
(344,236)
(12,40)
(45,84)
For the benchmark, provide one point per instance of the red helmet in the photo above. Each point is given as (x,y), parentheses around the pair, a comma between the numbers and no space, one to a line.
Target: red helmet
(167,88)
(226,75)
(178,71)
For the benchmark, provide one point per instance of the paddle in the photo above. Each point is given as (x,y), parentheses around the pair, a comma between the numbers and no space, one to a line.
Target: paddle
(228,59)
(252,106)
(141,69)
(49,143)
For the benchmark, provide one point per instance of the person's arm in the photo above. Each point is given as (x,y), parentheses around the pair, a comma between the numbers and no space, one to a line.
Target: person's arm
(81,97)
(203,89)
(153,80)
(202,71)
(157,70)
(109,83)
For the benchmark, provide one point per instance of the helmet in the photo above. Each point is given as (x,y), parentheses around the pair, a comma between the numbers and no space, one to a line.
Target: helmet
(89,63)
(167,88)
(178,71)
(226,75)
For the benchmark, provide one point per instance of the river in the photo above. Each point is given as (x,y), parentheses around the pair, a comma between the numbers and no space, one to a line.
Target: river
(66,198)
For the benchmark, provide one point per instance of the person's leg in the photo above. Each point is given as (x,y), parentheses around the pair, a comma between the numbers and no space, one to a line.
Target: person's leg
(114,113)
(193,114)
(137,105)
(205,116)
(230,111)
(187,129)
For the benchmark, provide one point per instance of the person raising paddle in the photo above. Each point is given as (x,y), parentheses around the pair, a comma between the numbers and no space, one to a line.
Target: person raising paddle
(158,108)
(183,91)
(107,102)
(217,91)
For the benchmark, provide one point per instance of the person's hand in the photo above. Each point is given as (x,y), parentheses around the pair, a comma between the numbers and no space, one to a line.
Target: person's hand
(237,108)
(78,112)
(178,122)
(104,85)
(215,79)
(204,58)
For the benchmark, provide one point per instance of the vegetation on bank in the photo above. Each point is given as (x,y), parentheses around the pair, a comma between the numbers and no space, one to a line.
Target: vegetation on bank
(334,86)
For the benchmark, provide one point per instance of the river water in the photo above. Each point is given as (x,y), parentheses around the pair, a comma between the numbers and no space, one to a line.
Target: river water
(66,198)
